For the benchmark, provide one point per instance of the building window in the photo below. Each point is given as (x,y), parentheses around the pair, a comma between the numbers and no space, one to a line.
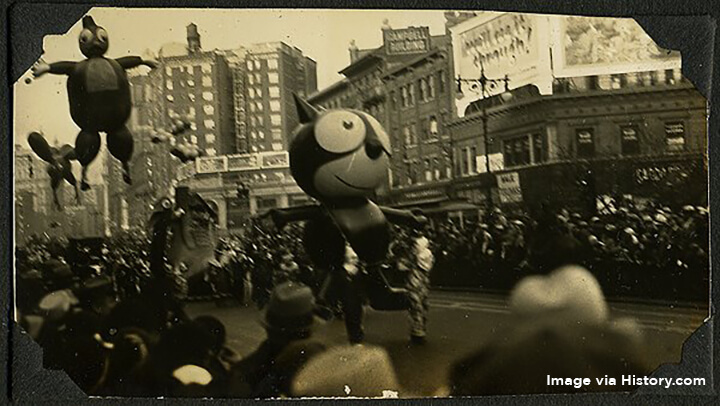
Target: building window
(211,151)
(675,136)
(191,112)
(254,148)
(276,134)
(273,78)
(539,149)
(274,106)
(411,94)
(274,91)
(441,81)
(516,151)
(250,65)
(275,119)
(259,106)
(191,97)
(252,107)
(428,171)
(191,83)
(406,134)
(170,98)
(206,67)
(253,135)
(250,79)
(261,135)
(276,146)
(585,139)
(251,93)
(433,127)
(207,96)
(209,110)
(630,142)
(207,81)
(431,87)
(473,159)
(168,71)
(465,162)
(422,86)
(193,139)
(669,76)
(404,97)
(272,63)
(169,84)
(260,121)
(257,64)
(209,124)
(210,138)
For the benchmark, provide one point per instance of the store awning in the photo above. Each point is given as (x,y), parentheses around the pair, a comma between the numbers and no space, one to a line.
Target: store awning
(453,206)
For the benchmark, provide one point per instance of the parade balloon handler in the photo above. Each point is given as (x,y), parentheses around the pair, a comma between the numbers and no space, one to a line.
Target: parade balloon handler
(99,96)
(340,157)
(59,165)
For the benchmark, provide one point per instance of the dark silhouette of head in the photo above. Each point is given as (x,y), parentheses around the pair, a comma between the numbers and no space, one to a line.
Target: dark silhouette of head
(93,39)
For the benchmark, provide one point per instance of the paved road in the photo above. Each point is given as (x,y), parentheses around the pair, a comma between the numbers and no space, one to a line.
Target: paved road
(459,322)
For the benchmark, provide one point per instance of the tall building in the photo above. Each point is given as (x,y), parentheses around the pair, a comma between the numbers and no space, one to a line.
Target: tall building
(197,85)
(265,76)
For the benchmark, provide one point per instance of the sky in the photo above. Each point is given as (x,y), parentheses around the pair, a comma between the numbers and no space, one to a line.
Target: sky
(323,35)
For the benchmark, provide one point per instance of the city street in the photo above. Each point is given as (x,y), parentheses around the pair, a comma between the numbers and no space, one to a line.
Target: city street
(459,322)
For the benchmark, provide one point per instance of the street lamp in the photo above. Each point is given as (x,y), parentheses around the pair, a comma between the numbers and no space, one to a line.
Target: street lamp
(484,86)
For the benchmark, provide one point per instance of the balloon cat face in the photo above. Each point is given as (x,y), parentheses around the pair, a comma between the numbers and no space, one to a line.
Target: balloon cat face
(338,153)
(93,40)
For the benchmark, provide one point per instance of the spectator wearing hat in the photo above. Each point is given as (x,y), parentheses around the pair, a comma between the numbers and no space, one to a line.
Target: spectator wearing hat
(348,371)
(289,317)
(561,328)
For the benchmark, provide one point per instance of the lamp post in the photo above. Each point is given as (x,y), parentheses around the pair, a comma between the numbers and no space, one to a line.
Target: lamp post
(483,86)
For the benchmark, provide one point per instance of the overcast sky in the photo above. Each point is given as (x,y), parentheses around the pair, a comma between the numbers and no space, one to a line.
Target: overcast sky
(323,35)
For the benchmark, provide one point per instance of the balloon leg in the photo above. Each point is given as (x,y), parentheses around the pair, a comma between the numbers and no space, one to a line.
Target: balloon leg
(87,146)
(120,145)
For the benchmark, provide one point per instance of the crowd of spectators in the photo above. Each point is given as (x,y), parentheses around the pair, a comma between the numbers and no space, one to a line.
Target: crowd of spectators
(97,313)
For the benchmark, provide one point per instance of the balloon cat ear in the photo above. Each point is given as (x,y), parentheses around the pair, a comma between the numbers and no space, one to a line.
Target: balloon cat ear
(306,112)
(89,23)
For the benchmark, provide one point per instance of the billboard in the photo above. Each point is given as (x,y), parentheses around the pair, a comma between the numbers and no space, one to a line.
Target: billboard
(605,45)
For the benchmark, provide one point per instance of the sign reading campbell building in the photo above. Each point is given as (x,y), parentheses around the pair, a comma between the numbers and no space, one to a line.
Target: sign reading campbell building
(407,40)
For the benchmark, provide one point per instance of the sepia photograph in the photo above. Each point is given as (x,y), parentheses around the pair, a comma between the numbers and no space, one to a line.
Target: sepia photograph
(351,203)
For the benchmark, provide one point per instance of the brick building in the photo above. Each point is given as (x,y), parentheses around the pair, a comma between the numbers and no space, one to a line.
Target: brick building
(265,76)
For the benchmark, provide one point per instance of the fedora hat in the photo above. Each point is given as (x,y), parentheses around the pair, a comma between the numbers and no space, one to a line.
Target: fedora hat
(291,309)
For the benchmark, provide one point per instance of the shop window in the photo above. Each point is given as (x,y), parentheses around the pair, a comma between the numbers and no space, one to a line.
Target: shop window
(675,136)
(585,140)
(630,142)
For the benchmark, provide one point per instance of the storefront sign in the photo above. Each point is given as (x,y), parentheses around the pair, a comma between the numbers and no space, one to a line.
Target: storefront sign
(669,174)
(509,187)
(409,40)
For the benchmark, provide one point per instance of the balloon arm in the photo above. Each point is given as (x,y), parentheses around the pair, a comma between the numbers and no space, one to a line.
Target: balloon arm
(129,62)
(404,217)
(60,68)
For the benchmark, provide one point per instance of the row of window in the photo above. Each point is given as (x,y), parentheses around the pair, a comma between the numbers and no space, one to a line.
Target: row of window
(431,170)
(273,91)
(272,77)
(426,90)
(428,131)
(258,106)
(206,82)
(276,146)
(203,67)
(259,121)
(207,96)
(256,64)
(630,139)
(260,135)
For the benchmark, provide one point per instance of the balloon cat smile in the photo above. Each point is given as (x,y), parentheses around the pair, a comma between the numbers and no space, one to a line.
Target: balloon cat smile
(340,157)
